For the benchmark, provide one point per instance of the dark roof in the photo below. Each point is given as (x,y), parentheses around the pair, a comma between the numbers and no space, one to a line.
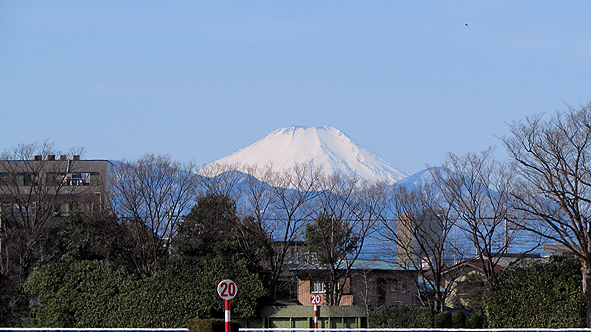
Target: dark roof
(364,264)
(475,263)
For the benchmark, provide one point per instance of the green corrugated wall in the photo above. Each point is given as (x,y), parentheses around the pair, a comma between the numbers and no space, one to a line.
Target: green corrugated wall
(303,317)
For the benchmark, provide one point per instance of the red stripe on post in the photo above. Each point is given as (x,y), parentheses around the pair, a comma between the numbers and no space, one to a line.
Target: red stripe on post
(315,316)
(228,326)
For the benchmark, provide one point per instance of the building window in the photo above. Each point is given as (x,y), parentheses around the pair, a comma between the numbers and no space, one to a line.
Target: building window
(78,179)
(71,179)
(27,179)
(400,287)
(293,256)
(55,179)
(395,286)
(317,286)
(66,209)
(19,179)
(18,208)
(310,257)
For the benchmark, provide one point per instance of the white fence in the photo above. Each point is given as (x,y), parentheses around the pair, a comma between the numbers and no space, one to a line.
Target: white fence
(90,329)
(67,329)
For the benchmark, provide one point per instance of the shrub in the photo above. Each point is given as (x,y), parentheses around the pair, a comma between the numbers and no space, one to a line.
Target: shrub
(476,321)
(443,320)
(458,319)
(400,316)
(210,325)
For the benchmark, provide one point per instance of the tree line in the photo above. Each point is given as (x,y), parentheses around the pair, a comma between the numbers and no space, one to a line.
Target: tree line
(169,212)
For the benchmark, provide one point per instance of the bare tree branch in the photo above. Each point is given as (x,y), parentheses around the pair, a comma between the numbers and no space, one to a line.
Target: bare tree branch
(555,181)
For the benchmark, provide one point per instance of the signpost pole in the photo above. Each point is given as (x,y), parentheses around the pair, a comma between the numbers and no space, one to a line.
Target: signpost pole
(228,325)
(315,316)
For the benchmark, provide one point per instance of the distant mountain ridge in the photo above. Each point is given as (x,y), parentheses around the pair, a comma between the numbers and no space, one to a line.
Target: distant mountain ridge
(320,147)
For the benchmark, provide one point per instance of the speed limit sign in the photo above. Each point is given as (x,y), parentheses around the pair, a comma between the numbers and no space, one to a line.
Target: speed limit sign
(315,299)
(227,289)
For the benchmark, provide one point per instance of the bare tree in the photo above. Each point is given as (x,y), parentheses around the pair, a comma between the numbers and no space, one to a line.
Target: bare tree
(422,233)
(275,207)
(33,187)
(260,194)
(285,221)
(332,236)
(478,188)
(152,194)
(260,223)
(553,158)
(366,277)
(349,209)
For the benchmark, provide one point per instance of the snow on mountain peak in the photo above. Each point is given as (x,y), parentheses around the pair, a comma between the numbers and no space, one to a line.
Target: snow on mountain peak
(325,147)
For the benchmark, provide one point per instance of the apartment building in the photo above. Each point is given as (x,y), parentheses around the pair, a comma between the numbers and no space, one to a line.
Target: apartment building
(54,184)
(37,194)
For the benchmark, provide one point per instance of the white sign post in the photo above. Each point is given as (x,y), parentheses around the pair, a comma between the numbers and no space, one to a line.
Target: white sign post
(227,290)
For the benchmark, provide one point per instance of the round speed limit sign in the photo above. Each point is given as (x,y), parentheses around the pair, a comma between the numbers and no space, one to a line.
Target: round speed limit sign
(315,299)
(227,289)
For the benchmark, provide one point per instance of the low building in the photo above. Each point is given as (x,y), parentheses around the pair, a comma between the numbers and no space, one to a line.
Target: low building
(371,282)
(556,249)
(463,276)
(466,279)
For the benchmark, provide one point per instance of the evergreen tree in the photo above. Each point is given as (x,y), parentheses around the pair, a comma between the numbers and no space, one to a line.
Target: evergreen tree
(332,240)
(90,279)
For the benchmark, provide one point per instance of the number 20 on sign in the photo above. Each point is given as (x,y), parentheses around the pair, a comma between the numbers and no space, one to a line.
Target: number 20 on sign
(315,299)
(227,289)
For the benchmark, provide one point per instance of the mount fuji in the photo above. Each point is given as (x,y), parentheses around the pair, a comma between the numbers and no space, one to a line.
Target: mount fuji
(320,147)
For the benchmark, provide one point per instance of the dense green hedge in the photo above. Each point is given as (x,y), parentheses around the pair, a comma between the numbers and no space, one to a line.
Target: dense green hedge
(543,295)
(98,294)
(98,272)
(400,316)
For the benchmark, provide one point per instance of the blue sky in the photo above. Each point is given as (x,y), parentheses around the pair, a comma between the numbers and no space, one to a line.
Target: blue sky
(199,80)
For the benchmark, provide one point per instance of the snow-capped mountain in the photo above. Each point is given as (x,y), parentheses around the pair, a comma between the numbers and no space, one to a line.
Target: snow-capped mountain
(321,147)
(418,179)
